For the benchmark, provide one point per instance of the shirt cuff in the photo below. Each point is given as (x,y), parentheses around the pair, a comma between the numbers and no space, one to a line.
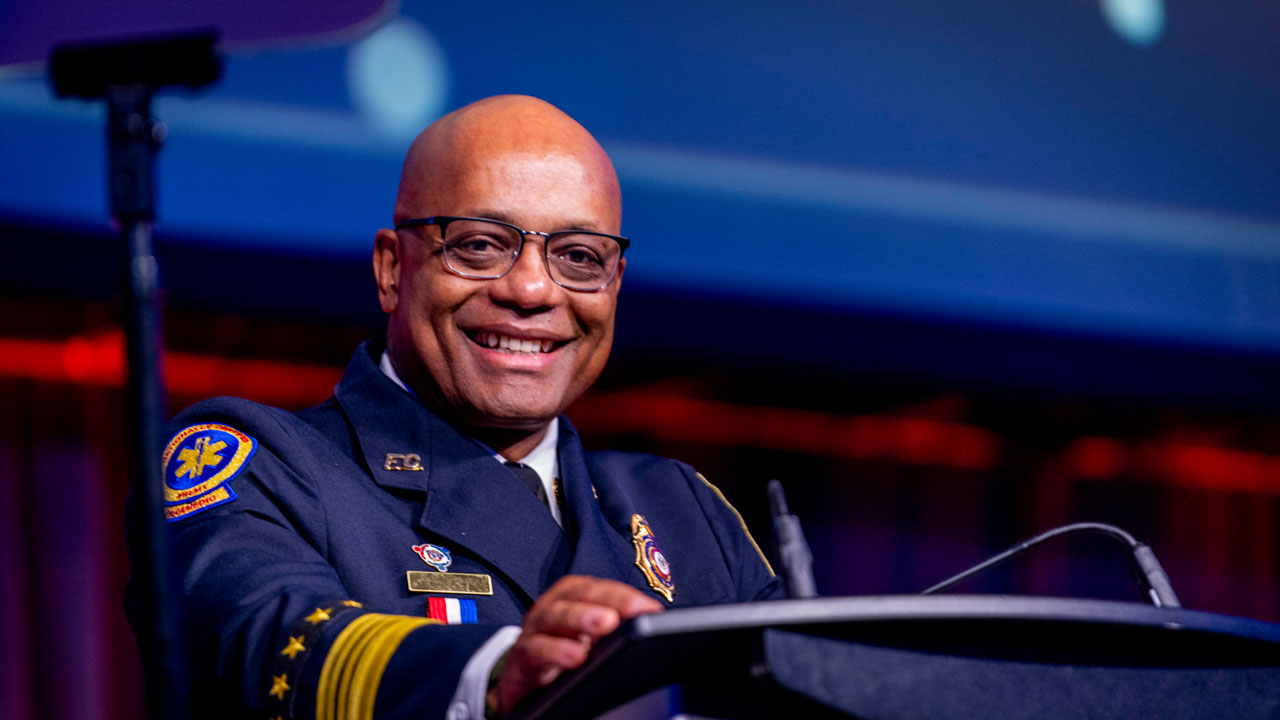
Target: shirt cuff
(473,684)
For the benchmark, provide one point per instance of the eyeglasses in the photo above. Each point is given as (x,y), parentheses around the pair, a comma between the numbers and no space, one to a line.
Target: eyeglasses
(487,249)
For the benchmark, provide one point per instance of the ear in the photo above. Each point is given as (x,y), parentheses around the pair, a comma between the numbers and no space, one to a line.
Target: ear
(387,261)
(617,280)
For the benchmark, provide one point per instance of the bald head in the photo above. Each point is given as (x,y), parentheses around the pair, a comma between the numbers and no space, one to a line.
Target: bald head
(500,356)
(467,143)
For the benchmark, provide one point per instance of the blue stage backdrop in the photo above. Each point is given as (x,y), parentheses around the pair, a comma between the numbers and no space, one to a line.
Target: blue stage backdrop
(1108,168)
(956,272)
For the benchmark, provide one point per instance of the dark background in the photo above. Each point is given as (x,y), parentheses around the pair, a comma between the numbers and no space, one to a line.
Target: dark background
(955,275)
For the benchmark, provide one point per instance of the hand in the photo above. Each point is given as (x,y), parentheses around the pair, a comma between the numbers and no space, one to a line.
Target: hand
(560,629)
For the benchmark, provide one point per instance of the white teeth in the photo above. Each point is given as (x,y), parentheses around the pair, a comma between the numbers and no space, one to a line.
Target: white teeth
(513,345)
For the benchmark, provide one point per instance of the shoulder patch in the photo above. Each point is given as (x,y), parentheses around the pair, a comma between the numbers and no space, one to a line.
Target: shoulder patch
(198,463)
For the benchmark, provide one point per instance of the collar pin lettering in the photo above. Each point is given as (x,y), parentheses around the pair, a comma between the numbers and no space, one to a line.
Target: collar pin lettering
(403,461)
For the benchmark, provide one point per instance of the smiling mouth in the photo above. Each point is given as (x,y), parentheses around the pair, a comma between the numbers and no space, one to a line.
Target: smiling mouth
(515,346)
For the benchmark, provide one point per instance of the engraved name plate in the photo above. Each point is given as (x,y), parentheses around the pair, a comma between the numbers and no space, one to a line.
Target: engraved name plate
(425,581)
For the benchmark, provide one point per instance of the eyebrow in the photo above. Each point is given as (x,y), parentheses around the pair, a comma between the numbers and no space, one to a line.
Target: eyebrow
(509,219)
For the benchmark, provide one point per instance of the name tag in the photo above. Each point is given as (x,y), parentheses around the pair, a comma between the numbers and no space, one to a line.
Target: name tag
(448,583)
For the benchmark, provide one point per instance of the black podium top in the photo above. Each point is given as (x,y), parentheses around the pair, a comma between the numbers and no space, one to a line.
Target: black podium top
(938,656)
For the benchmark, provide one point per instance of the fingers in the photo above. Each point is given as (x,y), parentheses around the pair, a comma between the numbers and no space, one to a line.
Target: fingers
(533,662)
(536,660)
(623,599)
(585,607)
(567,618)
(560,629)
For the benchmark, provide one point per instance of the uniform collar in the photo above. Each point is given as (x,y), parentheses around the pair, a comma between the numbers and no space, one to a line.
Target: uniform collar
(473,502)
(384,364)
(543,458)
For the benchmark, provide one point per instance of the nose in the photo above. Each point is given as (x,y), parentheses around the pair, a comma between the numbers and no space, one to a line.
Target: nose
(527,284)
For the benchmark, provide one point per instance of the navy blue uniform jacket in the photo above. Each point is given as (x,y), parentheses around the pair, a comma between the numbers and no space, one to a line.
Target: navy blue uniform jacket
(314,548)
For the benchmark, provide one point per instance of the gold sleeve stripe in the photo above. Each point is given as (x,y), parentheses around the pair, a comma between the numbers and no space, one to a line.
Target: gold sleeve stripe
(349,657)
(355,662)
(338,665)
(741,522)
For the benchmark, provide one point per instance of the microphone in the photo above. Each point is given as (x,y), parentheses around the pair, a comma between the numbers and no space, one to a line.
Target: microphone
(794,558)
(1146,569)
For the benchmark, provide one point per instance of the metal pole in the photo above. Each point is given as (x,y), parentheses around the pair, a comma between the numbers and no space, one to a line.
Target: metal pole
(126,74)
(133,138)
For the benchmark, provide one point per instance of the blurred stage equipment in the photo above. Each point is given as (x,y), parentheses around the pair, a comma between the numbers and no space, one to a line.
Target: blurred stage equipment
(124,52)
(1146,568)
(31,28)
(794,558)
(126,75)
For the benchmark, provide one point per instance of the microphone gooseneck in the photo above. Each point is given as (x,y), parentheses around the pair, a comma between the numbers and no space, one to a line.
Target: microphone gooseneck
(794,558)
(1146,568)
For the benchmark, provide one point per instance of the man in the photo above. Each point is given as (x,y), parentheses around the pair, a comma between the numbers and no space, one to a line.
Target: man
(372,556)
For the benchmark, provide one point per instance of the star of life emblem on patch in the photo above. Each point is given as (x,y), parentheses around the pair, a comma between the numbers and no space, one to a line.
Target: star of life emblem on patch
(198,463)
(650,559)
(435,556)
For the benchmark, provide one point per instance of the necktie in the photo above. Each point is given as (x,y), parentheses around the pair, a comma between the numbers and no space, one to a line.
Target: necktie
(529,477)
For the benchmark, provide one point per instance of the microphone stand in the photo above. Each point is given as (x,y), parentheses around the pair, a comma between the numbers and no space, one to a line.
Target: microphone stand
(794,558)
(1142,561)
(126,75)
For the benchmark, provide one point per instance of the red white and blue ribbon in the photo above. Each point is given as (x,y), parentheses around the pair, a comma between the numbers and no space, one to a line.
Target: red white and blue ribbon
(453,611)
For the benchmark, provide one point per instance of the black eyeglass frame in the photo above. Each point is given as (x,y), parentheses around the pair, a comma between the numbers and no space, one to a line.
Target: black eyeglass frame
(442,222)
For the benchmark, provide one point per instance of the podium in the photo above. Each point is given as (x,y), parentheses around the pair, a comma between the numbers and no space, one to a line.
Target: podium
(914,657)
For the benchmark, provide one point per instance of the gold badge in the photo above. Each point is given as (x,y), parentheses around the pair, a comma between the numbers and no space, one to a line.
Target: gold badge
(650,559)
